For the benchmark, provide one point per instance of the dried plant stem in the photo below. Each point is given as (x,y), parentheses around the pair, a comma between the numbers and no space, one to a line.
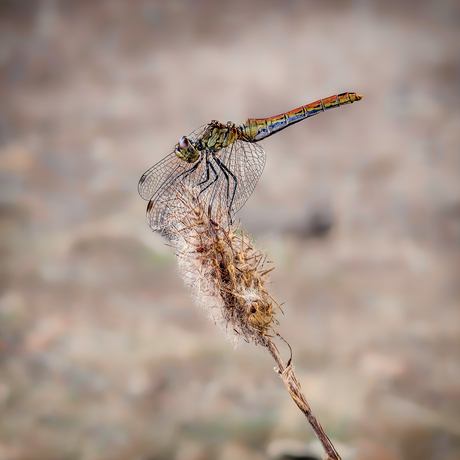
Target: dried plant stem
(228,278)
(295,390)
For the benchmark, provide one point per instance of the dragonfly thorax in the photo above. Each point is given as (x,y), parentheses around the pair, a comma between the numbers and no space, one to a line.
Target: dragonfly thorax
(217,136)
(186,151)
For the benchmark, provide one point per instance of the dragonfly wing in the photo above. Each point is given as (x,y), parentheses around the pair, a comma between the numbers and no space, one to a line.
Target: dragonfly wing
(164,171)
(164,204)
(246,161)
(158,185)
(159,174)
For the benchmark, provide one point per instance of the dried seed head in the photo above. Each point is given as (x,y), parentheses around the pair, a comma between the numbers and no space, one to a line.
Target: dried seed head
(226,274)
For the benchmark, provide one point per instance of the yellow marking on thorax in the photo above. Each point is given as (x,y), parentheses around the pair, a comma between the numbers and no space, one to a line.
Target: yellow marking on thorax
(218,136)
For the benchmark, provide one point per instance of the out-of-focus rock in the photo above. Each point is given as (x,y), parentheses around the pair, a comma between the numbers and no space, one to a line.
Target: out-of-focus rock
(317,223)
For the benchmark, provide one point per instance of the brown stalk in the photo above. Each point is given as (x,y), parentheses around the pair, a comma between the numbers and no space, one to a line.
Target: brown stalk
(293,387)
(227,276)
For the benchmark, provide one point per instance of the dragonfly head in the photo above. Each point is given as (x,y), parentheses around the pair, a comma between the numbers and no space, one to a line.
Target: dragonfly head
(186,151)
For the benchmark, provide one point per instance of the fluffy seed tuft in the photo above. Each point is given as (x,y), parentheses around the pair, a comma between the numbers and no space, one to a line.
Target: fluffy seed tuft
(226,273)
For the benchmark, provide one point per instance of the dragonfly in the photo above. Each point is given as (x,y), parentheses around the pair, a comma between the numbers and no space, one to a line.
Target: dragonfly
(222,162)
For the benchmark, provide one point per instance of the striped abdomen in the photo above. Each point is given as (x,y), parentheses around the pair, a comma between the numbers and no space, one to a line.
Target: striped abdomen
(256,129)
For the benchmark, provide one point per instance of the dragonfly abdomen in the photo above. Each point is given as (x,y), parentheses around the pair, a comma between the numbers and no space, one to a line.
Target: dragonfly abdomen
(256,129)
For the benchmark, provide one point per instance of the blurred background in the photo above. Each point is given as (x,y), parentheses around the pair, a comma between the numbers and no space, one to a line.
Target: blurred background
(103,354)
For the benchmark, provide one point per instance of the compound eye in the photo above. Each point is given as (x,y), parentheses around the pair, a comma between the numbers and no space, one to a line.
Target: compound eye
(184,143)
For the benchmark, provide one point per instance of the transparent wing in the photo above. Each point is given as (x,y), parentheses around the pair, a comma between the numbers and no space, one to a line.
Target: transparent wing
(164,203)
(246,161)
(160,174)
(164,171)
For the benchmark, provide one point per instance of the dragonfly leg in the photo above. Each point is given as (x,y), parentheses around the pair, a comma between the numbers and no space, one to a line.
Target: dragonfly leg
(227,172)
(207,173)
(188,172)
(209,165)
